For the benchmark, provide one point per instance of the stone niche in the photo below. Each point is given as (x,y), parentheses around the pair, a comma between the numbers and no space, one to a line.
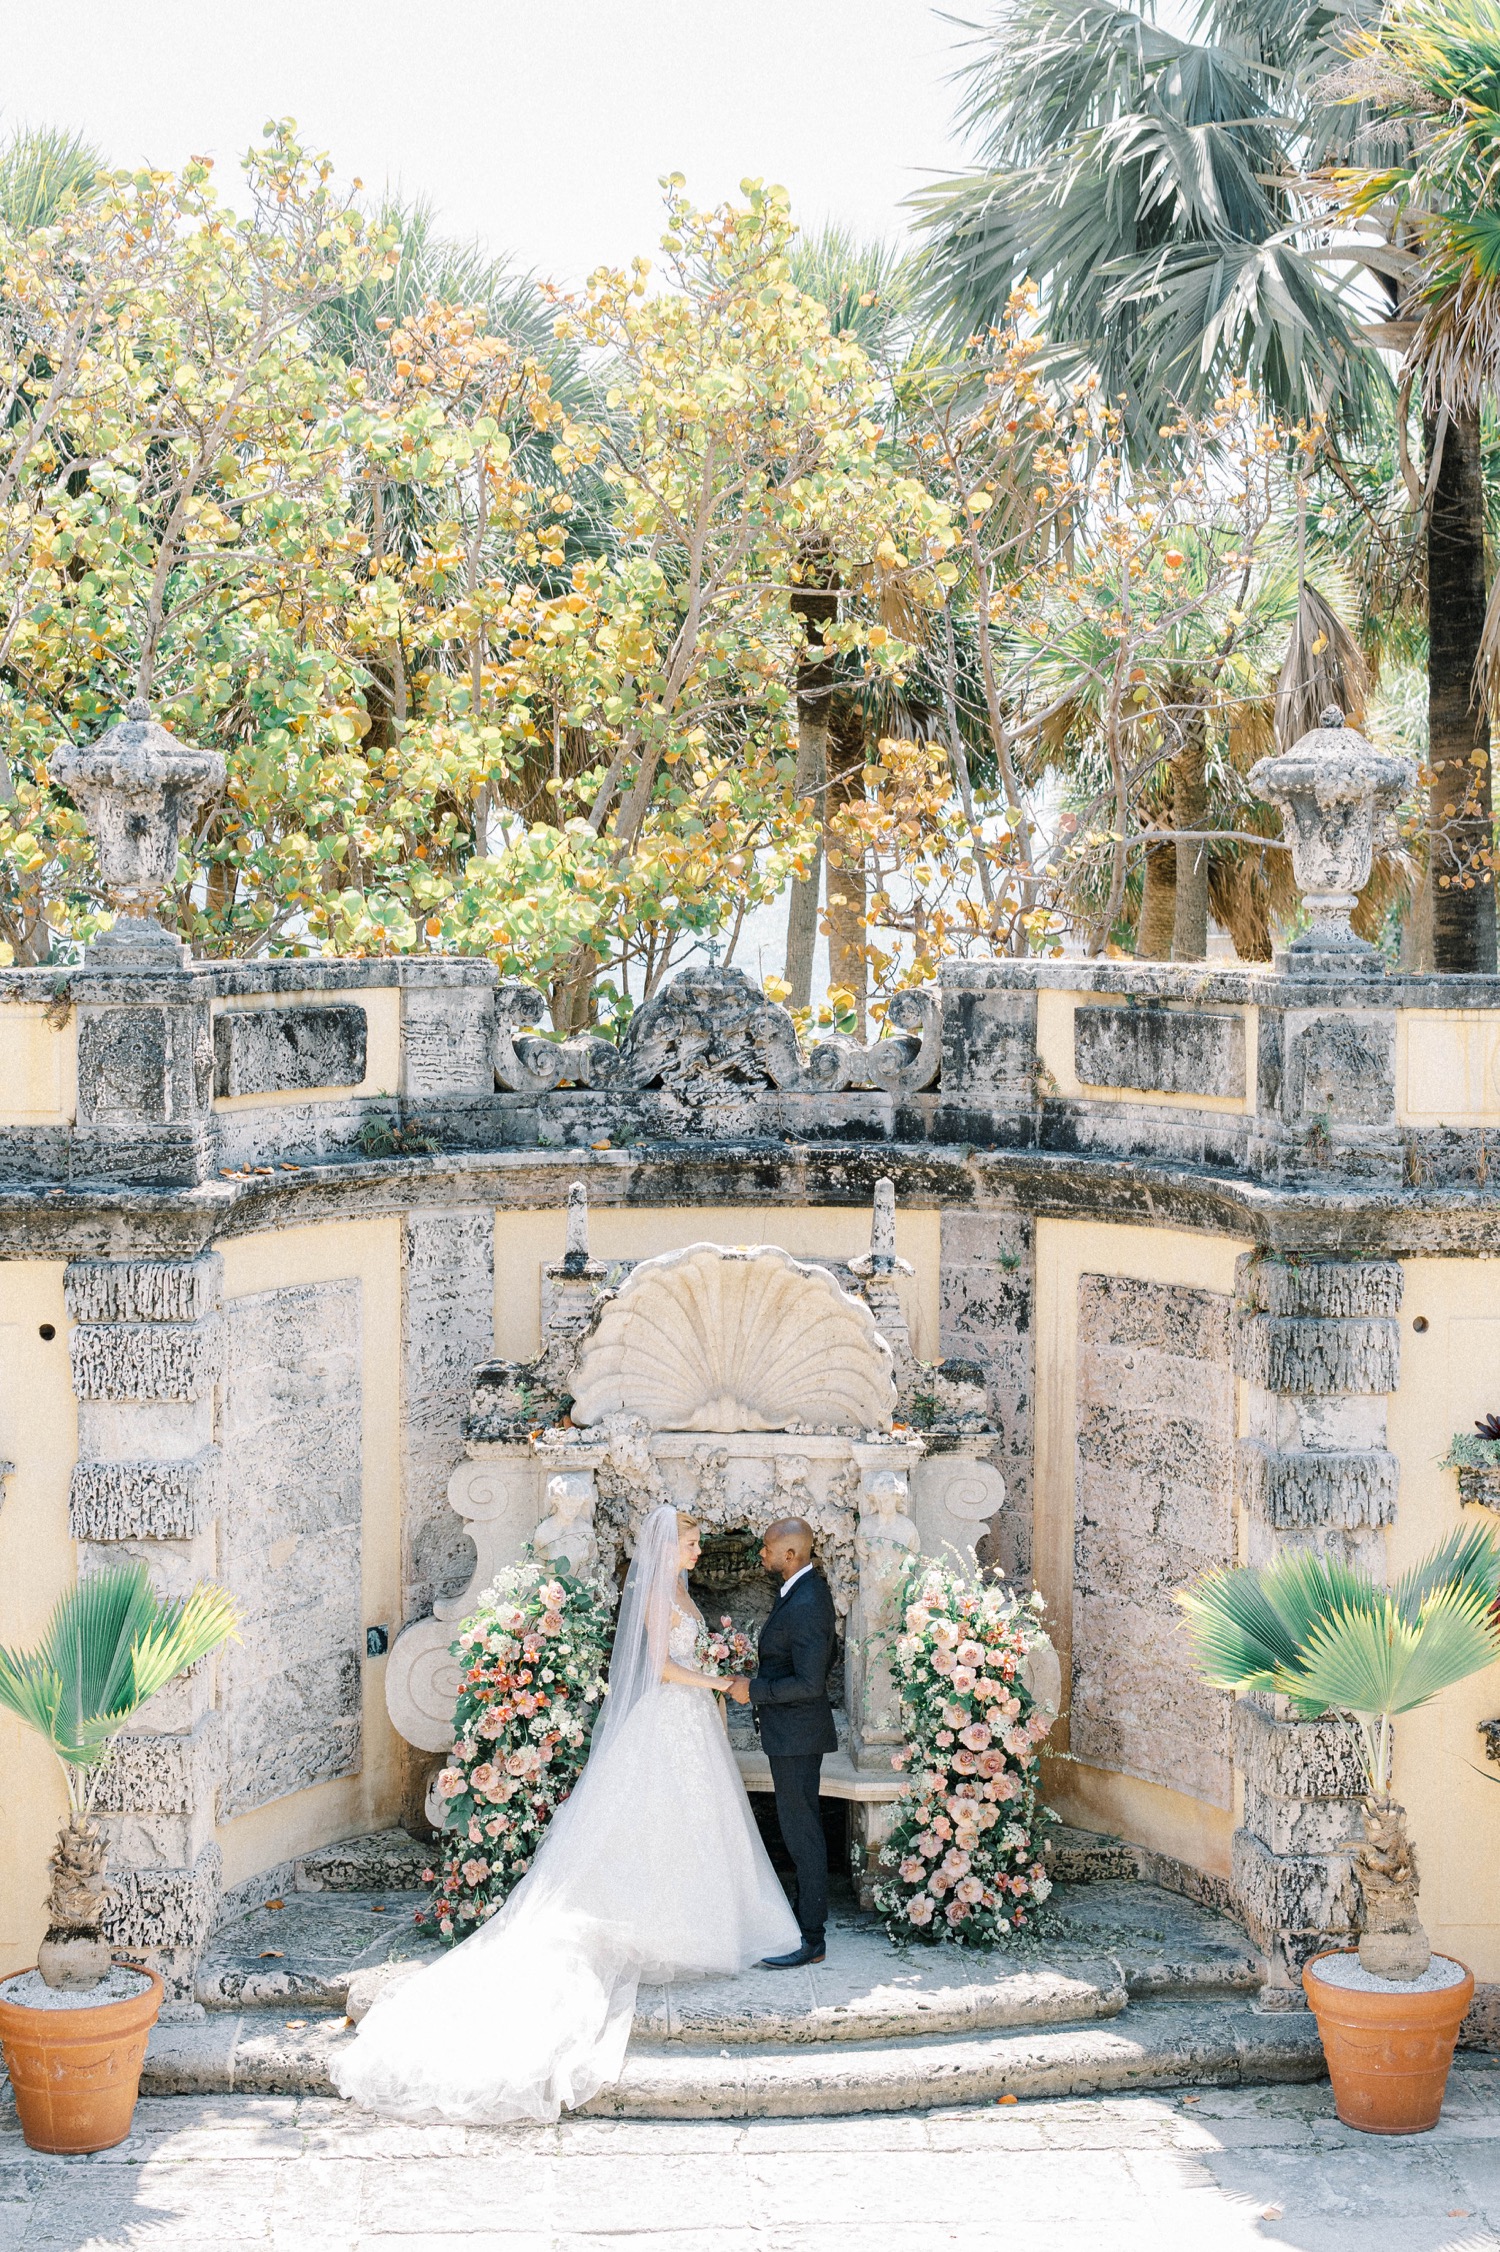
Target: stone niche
(741,1385)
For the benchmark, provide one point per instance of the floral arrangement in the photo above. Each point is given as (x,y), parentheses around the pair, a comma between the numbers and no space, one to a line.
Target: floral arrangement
(533,1660)
(724,1650)
(964,1858)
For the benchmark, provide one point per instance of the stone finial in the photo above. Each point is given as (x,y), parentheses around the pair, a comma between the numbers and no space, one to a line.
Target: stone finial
(881,1258)
(138,788)
(576,1251)
(1329,788)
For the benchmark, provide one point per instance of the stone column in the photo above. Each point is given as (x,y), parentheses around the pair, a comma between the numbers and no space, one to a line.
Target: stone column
(1319,1347)
(146,1351)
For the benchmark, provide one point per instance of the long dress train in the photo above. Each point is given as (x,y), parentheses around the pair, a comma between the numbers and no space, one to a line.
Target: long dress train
(652,1870)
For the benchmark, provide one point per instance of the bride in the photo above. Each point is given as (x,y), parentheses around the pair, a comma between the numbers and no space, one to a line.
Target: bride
(652,1870)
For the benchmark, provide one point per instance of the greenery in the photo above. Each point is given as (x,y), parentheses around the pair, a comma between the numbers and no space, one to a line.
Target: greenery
(533,1660)
(110,1645)
(1467,1451)
(966,581)
(1330,1638)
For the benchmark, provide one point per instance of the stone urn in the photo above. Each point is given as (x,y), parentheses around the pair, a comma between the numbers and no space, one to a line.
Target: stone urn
(1330,789)
(139,789)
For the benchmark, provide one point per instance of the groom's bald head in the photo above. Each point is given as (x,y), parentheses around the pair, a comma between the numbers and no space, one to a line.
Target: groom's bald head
(788,1545)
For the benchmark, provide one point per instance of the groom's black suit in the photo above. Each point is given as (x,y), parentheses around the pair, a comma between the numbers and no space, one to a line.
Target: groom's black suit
(789,1694)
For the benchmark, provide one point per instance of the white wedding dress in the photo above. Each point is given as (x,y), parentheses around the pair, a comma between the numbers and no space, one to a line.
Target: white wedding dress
(652,1870)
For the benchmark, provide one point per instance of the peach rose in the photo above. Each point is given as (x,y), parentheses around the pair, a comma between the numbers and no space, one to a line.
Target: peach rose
(943,1661)
(961,1679)
(976,1737)
(970,1654)
(912,1870)
(451,1783)
(971,1891)
(919,1909)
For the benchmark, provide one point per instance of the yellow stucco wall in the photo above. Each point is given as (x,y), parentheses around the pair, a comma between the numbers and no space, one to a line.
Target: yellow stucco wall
(369,1251)
(525,1242)
(39,1433)
(1450,1376)
(382,1007)
(1094,1798)
(38,1065)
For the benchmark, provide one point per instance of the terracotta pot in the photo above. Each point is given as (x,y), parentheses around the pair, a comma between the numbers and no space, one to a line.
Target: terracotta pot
(1388,2054)
(76,2073)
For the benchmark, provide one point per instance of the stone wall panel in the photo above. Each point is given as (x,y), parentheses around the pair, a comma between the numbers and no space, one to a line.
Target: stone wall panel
(263,1051)
(986,1296)
(447,1330)
(1154,1507)
(291,1540)
(1340,1289)
(1175,1051)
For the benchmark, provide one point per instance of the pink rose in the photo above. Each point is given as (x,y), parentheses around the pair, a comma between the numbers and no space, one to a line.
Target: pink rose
(927,1844)
(970,1654)
(961,1678)
(955,1864)
(919,1909)
(491,1724)
(954,1716)
(1004,1787)
(986,1690)
(451,1783)
(971,1891)
(945,1737)
(943,1661)
(912,1870)
(938,1884)
(481,1777)
(964,1763)
(955,1911)
(976,1736)
(475,1872)
(991,1763)
(945,1633)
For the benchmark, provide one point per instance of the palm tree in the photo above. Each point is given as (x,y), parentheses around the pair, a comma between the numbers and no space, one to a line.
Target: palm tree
(1329,1638)
(110,1645)
(1432,71)
(40,167)
(1161,190)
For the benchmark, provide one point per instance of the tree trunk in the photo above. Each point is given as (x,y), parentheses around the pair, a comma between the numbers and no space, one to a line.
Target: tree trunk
(1458,806)
(816,607)
(1190,811)
(847,965)
(1153,938)
(802,906)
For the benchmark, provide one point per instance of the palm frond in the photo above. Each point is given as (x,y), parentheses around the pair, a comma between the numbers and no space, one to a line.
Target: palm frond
(110,1644)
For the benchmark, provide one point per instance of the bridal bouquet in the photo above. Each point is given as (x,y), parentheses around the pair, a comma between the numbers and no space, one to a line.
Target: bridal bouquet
(724,1650)
(532,1663)
(964,1858)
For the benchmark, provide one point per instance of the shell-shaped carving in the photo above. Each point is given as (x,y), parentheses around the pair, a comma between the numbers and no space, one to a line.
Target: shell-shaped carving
(709,1339)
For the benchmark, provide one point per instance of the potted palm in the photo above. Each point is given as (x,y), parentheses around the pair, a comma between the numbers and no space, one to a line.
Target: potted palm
(74,2029)
(1328,1638)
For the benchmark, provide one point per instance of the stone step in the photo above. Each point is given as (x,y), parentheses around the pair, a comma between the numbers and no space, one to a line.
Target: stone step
(1105,1943)
(1154,2044)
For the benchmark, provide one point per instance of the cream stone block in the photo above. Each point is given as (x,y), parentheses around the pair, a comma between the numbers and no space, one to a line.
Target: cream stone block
(1447,1067)
(38,1065)
(953,1498)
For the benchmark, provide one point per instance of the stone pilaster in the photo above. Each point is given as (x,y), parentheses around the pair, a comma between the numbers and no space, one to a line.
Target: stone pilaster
(145,1075)
(1318,1344)
(146,1347)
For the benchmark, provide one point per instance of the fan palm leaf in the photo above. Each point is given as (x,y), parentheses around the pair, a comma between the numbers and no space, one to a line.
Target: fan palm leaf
(110,1645)
(1324,1634)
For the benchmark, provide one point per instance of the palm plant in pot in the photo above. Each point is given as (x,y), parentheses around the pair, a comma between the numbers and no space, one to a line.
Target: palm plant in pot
(74,2029)
(1329,1638)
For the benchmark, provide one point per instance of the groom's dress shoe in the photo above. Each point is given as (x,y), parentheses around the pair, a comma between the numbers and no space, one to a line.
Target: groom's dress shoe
(808,1952)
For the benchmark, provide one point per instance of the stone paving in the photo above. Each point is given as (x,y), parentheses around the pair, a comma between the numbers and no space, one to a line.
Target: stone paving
(1215,2172)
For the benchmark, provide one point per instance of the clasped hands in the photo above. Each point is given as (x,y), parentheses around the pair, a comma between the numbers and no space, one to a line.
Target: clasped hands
(738,1688)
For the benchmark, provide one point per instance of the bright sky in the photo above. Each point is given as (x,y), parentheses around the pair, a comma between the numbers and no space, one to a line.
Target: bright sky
(541,128)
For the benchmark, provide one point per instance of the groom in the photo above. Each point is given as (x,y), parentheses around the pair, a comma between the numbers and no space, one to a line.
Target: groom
(789,1694)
